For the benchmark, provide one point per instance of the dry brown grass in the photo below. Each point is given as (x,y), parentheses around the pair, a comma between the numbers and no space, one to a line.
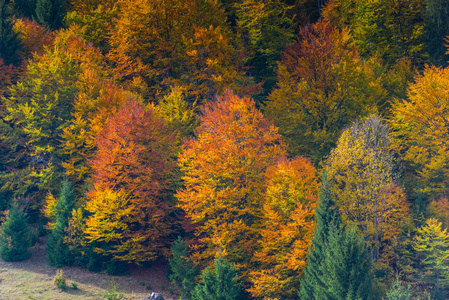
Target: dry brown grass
(32,279)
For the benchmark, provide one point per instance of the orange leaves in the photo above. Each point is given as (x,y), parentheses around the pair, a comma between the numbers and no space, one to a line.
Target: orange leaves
(33,36)
(251,204)
(134,155)
(287,227)
(224,170)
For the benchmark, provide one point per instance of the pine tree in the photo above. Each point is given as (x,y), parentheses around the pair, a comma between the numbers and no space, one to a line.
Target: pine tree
(327,216)
(50,13)
(183,271)
(221,284)
(338,267)
(25,8)
(437,30)
(58,252)
(15,236)
(10,44)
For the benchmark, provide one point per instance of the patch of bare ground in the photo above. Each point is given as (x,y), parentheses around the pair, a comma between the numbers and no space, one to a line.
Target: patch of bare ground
(32,279)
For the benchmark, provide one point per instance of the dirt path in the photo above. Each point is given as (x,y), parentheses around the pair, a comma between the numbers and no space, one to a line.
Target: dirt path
(32,279)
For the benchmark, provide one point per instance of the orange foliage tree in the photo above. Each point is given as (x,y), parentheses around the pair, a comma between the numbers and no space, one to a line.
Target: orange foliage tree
(156,44)
(34,37)
(232,169)
(287,225)
(97,100)
(135,156)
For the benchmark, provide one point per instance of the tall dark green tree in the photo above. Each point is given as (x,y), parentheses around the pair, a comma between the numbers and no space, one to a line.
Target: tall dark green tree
(25,8)
(58,252)
(221,284)
(182,271)
(10,44)
(51,13)
(15,236)
(437,30)
(338,265)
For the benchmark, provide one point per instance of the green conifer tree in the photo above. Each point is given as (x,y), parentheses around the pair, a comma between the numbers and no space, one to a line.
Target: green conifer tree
(25,8)
(50,13)
(10,44)
(398,292)
(221,284)
(182,271)
(59,252)
(15,236)
(437,30)
(338,265)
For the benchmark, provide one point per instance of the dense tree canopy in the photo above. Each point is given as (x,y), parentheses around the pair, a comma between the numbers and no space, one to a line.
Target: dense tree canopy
(420,126)
(361,170)
(144,107)
(322,86)
(224,172)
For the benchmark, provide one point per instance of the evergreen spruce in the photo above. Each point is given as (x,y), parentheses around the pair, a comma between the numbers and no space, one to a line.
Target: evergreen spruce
(15,236)
(182,271)
(25,8)
(50,13)
(222,284)
(58,252)
(10,44)
(398,292)
(338,265)
(437,30)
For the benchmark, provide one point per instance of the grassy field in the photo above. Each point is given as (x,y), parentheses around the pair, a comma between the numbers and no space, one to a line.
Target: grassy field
(32,279)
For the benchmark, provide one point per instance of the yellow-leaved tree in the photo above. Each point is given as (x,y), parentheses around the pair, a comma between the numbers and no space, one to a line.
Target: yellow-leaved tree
(421,129)
(361,171)
(287,225)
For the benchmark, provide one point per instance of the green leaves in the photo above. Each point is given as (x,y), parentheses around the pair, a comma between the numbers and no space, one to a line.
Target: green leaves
(433,241)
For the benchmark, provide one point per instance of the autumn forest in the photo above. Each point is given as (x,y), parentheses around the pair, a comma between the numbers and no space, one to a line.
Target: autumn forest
(263,149)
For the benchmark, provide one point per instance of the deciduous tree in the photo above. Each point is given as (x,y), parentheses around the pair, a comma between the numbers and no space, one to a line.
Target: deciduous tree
(108,228)
(323,86)
(135,155)
(34,37)
(361,170)
(39,111)
(224,177)
(421,129)
(286,229)
(178,115)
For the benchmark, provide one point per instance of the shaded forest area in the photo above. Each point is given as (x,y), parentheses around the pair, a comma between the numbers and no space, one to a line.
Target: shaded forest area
(267,149)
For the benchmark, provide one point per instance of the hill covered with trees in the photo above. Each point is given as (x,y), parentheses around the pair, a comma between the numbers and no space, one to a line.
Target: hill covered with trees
(270,149)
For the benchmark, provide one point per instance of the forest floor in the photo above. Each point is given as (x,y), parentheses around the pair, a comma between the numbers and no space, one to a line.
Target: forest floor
(32,279)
